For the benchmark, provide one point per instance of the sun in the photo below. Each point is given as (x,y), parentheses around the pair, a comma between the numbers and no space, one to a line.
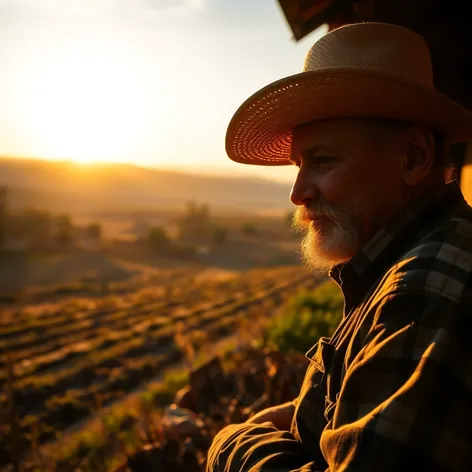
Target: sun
(88,107)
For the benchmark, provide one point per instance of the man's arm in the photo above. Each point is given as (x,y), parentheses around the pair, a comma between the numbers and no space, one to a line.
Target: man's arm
(405,403)
(261,443)
(252,447)
(280,416)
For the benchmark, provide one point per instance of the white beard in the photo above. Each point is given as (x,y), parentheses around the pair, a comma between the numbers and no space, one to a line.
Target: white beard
(333,242)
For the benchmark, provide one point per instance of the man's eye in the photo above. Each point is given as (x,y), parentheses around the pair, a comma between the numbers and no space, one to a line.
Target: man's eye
(324,163)
(321,160)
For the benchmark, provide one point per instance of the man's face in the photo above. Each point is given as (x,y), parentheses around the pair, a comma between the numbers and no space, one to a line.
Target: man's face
(349,184)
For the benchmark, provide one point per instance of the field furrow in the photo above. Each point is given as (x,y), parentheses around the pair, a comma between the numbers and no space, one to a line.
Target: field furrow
(64,368)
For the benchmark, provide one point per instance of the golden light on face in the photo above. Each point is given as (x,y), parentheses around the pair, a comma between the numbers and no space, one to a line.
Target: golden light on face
(86,106)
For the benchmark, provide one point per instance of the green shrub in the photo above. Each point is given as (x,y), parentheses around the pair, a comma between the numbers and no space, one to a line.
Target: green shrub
(158,238)
(220,235)
(248,229)
(306,318)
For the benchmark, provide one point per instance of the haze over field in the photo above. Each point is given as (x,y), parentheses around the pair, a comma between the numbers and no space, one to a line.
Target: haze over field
(70,187)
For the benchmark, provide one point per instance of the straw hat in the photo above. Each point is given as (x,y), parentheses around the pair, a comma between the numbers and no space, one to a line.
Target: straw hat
(373,70)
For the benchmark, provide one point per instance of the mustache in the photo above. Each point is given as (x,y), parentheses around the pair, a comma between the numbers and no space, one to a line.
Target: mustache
(304,215)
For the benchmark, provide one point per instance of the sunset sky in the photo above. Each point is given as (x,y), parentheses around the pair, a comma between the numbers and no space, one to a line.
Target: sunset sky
(153,82)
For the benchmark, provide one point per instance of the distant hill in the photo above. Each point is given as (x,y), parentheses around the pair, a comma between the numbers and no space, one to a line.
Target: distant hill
(65,186)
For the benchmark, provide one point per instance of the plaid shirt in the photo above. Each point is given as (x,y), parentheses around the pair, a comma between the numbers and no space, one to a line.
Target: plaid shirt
(391,390)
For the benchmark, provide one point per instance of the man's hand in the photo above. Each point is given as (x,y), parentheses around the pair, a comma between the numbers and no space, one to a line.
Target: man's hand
(280,415)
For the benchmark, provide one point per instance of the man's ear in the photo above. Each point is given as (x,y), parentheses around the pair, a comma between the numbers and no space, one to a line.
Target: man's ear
(419,157)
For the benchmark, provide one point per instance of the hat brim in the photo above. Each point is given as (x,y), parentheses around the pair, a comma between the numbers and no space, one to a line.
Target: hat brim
(260,132)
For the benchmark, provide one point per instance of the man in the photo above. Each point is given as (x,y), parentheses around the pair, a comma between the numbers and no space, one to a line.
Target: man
(391,390)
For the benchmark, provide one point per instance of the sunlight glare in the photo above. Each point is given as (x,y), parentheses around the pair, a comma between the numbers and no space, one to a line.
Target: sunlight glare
(87,106)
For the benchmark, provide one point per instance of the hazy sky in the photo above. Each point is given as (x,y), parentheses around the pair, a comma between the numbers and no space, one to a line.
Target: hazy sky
(154,82)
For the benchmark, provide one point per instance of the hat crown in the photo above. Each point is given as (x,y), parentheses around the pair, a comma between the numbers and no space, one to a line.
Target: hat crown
(378,47)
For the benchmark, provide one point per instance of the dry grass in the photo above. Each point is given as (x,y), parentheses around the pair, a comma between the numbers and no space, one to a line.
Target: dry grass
(71,359)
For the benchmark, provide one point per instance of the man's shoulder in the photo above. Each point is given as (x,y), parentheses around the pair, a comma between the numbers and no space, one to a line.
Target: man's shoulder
(439,263)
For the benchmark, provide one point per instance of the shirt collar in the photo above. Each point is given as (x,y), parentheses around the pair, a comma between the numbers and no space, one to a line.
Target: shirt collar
(379,252)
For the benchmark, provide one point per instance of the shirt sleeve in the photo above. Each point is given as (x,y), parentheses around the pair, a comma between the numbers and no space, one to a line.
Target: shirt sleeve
(405,401)
(256,448)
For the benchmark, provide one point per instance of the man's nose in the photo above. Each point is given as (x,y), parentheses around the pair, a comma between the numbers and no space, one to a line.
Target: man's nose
(303,190)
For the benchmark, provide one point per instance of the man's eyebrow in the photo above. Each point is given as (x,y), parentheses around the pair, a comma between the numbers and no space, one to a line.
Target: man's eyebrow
(309,152)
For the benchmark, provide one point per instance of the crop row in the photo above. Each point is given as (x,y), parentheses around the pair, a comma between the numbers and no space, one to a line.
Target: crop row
(42,344)
(149,337)
(60,391)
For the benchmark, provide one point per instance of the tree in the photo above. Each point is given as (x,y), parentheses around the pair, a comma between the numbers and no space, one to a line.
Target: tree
(65,229)
(220,236)
(94,231)
(248,229)
(158,238)
(4,215)
(36,226)
(195,224)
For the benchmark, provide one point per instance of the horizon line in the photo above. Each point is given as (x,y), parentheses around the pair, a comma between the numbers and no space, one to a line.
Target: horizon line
(203,169)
